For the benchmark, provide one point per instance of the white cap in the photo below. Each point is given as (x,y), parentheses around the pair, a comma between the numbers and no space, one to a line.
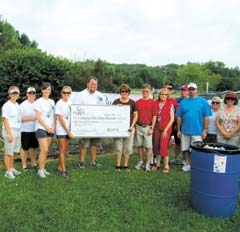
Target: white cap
(31,89)
(192,85)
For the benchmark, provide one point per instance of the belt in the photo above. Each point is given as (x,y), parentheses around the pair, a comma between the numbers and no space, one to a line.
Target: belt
(144,125)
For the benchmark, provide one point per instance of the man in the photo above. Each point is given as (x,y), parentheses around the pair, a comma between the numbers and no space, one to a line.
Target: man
(147,113)
(183,95)
(192,121)
(90,96)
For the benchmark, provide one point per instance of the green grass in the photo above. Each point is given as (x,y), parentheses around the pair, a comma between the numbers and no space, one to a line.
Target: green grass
(103,200)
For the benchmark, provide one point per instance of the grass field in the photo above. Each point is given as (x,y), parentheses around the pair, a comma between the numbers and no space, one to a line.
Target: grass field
(103,200)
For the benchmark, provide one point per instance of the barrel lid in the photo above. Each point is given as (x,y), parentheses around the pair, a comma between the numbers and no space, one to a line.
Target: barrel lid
(219,148)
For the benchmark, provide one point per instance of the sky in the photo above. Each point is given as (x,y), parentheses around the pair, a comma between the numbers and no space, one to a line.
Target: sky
(151,32)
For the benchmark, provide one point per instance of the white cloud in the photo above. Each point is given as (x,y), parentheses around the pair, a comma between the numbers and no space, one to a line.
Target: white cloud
(154,32)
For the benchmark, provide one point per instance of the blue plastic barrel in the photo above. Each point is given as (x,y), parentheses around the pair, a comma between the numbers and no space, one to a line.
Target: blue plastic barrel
(214,178)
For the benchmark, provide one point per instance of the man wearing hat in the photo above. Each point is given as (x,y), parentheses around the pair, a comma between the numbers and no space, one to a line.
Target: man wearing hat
(192,121)
(28,138)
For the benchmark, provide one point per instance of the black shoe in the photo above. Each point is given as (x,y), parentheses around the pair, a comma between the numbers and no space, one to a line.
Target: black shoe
(81,165)
(65,175)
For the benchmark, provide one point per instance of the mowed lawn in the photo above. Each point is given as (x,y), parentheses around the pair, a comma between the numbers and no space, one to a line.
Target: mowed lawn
(103,200)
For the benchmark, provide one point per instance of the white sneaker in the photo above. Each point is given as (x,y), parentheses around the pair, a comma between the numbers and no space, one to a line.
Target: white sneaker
(183,162)
(186,168)
(9,175)
(15,172)
(148,169)
(46,172)
(139,165)
(41,174)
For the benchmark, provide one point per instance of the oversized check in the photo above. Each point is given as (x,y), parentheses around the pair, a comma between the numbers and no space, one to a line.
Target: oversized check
(96,121)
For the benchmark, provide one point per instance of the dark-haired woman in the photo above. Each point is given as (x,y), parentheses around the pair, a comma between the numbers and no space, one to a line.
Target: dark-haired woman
(228,121)
(45,126)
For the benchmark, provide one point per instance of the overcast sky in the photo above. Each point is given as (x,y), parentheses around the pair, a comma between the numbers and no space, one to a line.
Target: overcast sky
(151,32)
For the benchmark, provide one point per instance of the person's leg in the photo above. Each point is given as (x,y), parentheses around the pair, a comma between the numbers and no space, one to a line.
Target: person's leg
(32,154)
(62,152)
(23,156)
(43,145)
(93,151)
(7,162)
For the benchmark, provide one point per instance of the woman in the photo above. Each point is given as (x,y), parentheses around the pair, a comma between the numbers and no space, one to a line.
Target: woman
(28,138)
(212,128)
(45,126)
(124,146)
(228,121)
(11,124)
(63,132)
(163,129)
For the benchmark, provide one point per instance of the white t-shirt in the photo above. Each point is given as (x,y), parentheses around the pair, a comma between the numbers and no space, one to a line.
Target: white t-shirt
(27,109)
(47,109)
(12,112)
(212,128)
(63,108)
(87,98)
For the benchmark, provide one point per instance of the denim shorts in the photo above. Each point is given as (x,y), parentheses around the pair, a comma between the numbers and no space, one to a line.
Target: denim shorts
(40,133)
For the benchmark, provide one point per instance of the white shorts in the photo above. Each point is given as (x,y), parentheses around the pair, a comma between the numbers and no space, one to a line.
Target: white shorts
(15,145)
(186,141)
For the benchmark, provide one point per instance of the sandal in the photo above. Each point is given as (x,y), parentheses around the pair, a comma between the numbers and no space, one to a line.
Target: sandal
(166,170)
(118,168)
(155,168)
(127,169)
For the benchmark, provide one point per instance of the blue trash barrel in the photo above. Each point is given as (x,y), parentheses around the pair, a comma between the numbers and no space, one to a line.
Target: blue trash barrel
(214,178)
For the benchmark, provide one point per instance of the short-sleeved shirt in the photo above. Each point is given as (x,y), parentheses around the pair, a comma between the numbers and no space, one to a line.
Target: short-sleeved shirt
(47,109)
(131,103)
(12,112)
(87,98)
(193,111)
(146,110)
(27,109)
(63,108)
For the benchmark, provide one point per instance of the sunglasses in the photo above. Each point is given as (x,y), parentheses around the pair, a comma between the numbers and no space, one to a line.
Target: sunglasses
(66,92)
(191,89)
(230,99)
(215,103)
(31,93)
(164,94)
(124,91)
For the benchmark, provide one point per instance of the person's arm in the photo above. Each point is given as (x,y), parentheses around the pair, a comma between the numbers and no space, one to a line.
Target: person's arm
(8,129)
(169,123)
(134,121)
(179,122)
(205,127)
(42,123)
(63,124)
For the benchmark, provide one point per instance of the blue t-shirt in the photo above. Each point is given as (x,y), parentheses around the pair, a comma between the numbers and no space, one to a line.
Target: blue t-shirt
(192,111)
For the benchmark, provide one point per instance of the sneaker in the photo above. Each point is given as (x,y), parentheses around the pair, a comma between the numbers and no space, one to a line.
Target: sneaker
(183,162)
(41,174)
(186,168)
(25,169)
(81,165)
(9,175)
(46,172)
(147,168)
(95,164)
(65,175)
(139,165)
(15,172)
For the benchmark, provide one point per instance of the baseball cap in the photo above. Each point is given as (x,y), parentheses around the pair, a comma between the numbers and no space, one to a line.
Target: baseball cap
(184,87)
(31,89)
(192,85)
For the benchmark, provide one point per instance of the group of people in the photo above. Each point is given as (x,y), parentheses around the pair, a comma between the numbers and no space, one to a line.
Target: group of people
(34,122)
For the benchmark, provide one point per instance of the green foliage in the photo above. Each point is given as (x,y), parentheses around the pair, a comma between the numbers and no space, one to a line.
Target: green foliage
(31,67)
(199,74)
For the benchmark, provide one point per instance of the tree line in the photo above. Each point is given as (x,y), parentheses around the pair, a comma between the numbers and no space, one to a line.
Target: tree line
(23,64)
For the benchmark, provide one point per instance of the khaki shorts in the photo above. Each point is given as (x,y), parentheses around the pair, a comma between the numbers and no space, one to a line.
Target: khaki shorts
(142,138)
(186,141)
(13,147)
(86,142)
(125,145)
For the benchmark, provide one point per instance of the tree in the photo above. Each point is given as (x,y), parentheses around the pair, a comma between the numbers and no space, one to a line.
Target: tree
(195,72)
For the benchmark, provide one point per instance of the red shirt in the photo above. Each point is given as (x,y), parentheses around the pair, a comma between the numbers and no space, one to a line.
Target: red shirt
(146,110)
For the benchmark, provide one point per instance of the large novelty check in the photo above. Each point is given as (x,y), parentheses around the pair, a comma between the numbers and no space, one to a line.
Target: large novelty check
(93,121)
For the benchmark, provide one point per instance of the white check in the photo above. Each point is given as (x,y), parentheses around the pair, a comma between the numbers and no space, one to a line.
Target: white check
(97,121)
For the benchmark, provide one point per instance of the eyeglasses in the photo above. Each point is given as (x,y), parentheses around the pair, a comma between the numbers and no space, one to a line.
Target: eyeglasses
(230,99)
(191,89)
(124,91)
(66,92)
(164,94)
(215,103)
(31,93)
